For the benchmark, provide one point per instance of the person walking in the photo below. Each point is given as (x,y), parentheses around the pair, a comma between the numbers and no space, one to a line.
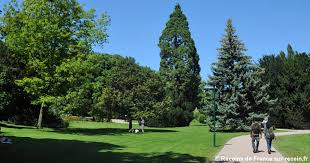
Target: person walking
(142,124)
(269,134)
(256,135)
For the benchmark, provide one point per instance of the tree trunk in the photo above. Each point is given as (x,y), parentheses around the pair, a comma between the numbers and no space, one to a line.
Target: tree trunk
(130,124)
(109,115)
(39,125)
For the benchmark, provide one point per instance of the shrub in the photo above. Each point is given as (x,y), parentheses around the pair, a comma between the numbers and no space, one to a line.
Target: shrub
(54,121)
(202,118)
(29,117)
(196,114)
(170,118)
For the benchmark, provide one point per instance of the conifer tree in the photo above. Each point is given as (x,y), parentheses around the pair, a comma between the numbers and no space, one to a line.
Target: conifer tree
(179,68)
(288,75)
(241,97)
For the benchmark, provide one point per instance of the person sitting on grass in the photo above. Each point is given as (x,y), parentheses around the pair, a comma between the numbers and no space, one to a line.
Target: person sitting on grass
(136,131)
(5,140)
(256,135)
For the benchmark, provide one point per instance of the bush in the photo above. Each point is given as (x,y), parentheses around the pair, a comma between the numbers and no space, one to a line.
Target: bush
(52,120)
(196,114)
(29,117)
(24,116)
(171,118)
(155,121)
(178,117)
(202,118)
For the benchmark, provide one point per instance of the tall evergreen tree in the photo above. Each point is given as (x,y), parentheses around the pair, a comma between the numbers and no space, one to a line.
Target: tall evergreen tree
(180,69)
(241,96)
(288,75)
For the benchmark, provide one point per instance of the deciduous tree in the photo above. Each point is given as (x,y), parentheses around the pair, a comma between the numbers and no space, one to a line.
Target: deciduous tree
(45,33)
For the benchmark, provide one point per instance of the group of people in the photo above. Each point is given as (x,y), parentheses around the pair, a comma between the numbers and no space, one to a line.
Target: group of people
(257,130)
(141,124)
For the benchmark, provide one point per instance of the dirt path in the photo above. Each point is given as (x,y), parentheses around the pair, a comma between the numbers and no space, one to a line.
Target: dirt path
(239,149)
(121,121)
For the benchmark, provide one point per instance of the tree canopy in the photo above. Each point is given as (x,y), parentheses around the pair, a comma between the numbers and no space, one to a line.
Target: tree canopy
(44,33)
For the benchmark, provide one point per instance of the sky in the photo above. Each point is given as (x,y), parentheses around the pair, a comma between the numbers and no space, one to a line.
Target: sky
(265,26)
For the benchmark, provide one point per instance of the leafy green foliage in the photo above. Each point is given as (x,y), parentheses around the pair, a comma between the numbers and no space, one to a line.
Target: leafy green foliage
(44,33)
(107,86)
(6,79)
(288,76)
(196,114)
(199,116)
(12,97)
(179,68)
(202,118)
(107,101)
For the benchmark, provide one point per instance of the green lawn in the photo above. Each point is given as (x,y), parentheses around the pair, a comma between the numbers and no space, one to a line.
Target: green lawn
(294,145)
(109,142)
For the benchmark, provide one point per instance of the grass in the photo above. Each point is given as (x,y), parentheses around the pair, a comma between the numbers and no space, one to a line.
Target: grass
(110,142)
(294,145)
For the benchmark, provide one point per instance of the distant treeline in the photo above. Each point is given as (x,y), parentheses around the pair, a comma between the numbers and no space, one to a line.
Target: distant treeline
(288,76)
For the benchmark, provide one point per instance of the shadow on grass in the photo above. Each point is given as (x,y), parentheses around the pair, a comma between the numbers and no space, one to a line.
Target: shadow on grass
(15,126)
(103,131)
(32,150)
